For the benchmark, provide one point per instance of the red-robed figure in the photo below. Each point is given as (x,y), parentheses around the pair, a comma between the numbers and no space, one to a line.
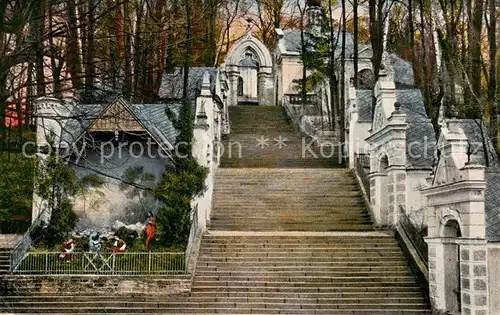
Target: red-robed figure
(150,232)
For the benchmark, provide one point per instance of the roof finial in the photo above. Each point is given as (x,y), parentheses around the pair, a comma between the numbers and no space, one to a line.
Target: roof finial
(469,152)
(397,106)
(249,27)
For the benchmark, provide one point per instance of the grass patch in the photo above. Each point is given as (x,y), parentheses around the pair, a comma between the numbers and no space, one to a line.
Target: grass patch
(16,191)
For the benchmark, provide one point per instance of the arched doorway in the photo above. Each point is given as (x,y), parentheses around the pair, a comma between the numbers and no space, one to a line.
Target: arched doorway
(450,231)
(250,60)
(384,198)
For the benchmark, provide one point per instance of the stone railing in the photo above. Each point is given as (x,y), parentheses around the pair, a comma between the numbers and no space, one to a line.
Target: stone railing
(192,246)
(362,170)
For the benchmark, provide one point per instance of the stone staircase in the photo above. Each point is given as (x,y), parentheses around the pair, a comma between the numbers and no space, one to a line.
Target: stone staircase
(261,136)
(255,199)
(4,260)
(284,238)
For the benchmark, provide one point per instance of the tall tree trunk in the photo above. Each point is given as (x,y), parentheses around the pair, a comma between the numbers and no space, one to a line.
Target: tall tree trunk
(356,38)
(127,82)
(74,60)
(475,48)
(138,71)
(303,91)
(187,57)
(38,31)
(90,48)
(3,74)
(342,81)
(55,59)
(492,84)
(332,79)
(376,15)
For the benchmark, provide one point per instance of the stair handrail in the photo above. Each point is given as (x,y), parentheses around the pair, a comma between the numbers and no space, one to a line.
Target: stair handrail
(192,237)
(21,249)
(414,235)
(361,161)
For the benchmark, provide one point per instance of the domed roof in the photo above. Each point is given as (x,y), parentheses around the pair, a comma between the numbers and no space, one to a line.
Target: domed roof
(314,3)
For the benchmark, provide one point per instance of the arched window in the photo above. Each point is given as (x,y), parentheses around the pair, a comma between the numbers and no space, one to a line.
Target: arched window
(240,86)
(384,163)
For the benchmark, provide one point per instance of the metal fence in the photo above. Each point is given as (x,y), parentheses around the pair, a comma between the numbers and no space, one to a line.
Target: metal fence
(362,169)
(81,263)
(416,235)
(296,99)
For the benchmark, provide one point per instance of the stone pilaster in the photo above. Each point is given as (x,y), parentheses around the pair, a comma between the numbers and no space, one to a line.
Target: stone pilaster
(265,87)
(473,276)
(443,274)
(396,188)
(378,183)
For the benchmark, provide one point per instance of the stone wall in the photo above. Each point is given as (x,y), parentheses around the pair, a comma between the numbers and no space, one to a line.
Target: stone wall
(95,285)
(493,257)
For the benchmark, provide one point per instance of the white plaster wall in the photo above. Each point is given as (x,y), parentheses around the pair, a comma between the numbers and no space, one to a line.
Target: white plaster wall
(291,70)
(359,132)
(414,200)
(99,208)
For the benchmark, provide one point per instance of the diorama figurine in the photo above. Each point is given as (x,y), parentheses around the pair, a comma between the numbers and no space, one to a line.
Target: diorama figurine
(150,232)
(67,248)
(119,245)
(95,243)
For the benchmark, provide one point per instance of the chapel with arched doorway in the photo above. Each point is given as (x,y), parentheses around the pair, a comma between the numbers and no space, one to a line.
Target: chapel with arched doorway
(249,68)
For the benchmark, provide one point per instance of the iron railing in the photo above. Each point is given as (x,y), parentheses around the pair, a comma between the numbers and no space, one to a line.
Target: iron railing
(297,99)
(416,235)
(21,249)
(363,169)
(82,263)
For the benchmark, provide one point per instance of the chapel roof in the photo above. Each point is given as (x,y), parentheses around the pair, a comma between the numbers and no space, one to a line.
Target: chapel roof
(172,83)
(473,130)
(420,135)
(153,117)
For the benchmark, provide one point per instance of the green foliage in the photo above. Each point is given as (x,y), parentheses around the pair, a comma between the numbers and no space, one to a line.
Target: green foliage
(55,182)
(317,50)
(176,191)
(179,185)
(16,186)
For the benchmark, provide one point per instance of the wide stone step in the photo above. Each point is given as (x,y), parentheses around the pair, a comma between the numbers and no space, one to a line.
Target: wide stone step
(332,269)
(251,274)
(300,265)
(307,295)
(347,252)
(315,279)
(298,227)
(300,239)
(145,301)
(301,251)
(377,287)
(202,310)
(218,305)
